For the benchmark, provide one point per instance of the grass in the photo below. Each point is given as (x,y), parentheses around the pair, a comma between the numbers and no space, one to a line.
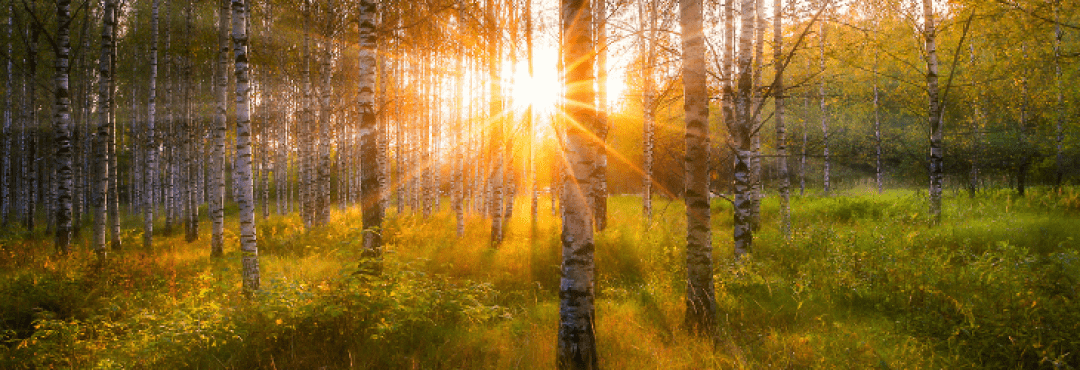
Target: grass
(865,282)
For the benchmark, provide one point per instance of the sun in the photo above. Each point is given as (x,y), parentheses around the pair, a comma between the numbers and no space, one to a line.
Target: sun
(542,89)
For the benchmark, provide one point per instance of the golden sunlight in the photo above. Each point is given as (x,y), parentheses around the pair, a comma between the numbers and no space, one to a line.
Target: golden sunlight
(543,89)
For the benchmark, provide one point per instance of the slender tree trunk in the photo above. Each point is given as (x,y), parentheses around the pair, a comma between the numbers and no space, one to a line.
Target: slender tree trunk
(934,113)
(743,131)
(727,101)
(101,173)
(151,135)
(976,131)
(600,190)
(576,347)
(217,157)
(323,169)
(307,183)
(459,160)
(647,15)
(114,165)
(495,112)
(781,130)
(6,171)
(756,190)
(700,291)
(879,171)
(826,183)
(534,192)
(246,198)
(62,127)
(168,183)
(30,134)
(1060,125)
(189,150)
(805,138)
(1024,143)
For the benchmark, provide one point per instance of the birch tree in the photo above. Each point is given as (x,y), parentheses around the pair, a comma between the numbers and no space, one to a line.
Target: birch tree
(62,127)
(781,130)
(934,112)
(576,345)
(246,196)
(151,134)
(826,181)
(599,196)
(742,130)
(370,189)
(101,160)
(217,156)
(647,38)
(700,292)
(6,172)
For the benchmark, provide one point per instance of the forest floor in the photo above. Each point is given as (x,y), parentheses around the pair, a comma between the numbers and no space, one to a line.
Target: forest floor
(864,283)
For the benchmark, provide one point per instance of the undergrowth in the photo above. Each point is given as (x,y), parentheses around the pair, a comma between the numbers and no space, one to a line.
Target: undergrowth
(865,282)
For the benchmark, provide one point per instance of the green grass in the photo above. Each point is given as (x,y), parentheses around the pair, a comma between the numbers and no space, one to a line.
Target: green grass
(864,283)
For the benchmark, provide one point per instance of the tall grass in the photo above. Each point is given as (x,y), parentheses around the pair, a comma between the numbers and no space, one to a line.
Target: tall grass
(864,283)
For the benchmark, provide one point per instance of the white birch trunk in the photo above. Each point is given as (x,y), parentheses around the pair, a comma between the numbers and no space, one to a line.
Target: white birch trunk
(6,171)
(217,156)
(246,198)
(370,190)
(826,180)
(742,132)
(151,135)
(62,127)
(934,112)
(781,129)
(576,344)
(101,173)
(700,291)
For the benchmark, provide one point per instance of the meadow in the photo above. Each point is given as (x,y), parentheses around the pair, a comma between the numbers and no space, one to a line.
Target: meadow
(865,283)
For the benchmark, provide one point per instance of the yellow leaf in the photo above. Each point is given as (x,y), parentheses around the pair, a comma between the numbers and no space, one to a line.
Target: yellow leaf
(278,322)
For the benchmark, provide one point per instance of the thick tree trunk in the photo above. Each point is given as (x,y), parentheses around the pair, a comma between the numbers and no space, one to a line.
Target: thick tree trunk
(700,292)
(576,347)
(370,191)
(246,198)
